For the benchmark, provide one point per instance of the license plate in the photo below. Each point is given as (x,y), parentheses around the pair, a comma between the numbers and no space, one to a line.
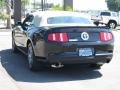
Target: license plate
(85,52)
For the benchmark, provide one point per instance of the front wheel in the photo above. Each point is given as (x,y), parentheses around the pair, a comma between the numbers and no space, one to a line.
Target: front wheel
(96,23)
(14,47)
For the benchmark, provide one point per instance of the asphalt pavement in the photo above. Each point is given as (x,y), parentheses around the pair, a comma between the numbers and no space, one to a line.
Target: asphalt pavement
(73,77)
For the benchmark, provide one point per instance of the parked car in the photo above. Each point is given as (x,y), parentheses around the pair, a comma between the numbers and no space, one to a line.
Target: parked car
(110,19)
(59,38)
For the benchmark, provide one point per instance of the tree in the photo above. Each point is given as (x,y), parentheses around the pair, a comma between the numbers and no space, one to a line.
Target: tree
(2,4)
(8,8)
(58,8)
(23,5)
(24,2)
(6,4)
(113,5)
(17,11)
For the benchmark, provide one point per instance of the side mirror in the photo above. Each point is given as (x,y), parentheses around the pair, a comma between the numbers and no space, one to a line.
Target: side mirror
(19,23)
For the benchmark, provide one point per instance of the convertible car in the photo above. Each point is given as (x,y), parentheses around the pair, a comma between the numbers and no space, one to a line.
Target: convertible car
(60,38)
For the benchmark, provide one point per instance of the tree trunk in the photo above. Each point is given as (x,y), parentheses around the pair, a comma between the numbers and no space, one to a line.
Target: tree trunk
(8,7)
(17,11)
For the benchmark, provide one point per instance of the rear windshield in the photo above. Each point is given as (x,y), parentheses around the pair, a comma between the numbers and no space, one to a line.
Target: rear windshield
(68,20)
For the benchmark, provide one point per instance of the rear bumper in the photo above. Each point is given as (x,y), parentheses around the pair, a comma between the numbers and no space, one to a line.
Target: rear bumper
(74,59)
(68,53)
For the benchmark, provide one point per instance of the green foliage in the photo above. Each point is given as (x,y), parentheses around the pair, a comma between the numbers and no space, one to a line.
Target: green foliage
(57,8)
(2,3)
(113,5)
(69,8)
(4,16)
(25,2)
(2,8)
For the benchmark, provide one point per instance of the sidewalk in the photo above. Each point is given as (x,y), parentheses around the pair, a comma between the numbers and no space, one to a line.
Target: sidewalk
(6,82)
(5,30)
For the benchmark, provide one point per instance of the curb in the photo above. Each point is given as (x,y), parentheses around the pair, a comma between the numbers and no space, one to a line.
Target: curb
(5,30)
(6,82)
(5,33)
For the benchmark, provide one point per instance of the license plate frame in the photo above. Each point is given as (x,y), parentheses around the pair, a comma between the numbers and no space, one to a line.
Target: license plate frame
(85,52)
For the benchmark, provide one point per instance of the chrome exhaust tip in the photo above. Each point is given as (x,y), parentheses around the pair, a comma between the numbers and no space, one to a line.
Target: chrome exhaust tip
(57,65)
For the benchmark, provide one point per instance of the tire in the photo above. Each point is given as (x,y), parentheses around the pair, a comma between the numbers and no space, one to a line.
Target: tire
(96,66)
(14,47)
(96,23)
(112,24)
(32,62)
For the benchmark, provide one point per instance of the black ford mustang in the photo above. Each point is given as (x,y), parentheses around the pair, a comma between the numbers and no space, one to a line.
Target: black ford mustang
(60,38)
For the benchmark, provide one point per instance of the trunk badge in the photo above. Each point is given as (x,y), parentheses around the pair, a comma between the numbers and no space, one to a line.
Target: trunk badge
(84,36)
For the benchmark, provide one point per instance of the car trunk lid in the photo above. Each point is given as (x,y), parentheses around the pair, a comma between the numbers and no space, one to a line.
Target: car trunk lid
(78,34)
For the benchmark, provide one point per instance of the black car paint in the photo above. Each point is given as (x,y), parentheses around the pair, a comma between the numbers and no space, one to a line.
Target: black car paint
(54,52)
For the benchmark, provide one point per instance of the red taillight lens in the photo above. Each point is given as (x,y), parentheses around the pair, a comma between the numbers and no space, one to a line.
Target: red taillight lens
(105,36)
(58,37)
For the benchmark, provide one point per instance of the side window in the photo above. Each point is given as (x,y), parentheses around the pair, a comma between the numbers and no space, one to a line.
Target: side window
(28,20)
(37,21)
(115,14)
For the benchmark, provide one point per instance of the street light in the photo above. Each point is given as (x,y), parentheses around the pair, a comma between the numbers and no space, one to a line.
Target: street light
(42,5)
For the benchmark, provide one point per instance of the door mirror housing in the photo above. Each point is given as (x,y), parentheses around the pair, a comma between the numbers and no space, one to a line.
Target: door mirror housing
(19,23)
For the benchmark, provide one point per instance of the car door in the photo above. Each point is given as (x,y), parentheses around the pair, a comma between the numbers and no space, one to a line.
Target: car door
(17,34)
(22,32)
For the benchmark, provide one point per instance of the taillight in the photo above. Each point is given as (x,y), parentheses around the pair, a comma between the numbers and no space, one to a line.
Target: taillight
(58,37)
(105,36)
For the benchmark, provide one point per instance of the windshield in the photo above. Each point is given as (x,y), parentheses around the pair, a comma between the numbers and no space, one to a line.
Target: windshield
(68,20)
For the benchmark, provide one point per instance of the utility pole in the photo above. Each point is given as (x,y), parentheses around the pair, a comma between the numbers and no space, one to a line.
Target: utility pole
(34,4)
(64,5)
(17,11)
(42,5)
(67,3)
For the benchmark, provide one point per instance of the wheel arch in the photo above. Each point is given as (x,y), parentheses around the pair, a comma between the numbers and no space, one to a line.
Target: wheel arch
(112,21)
(28,42)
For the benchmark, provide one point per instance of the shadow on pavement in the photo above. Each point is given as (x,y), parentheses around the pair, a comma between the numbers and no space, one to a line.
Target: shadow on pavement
(17,67)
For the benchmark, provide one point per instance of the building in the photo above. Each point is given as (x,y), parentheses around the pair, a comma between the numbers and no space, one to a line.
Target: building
(88,5)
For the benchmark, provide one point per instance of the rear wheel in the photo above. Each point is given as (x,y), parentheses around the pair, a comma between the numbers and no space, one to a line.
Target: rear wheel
(112,24)
(96,23)
(32,62)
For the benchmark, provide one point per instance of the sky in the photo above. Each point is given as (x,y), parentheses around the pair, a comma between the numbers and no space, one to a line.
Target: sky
(90,5)
(83,4)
